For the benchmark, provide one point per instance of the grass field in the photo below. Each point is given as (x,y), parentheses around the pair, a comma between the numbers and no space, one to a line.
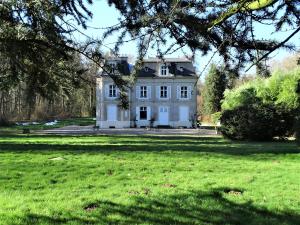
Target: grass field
(147,180)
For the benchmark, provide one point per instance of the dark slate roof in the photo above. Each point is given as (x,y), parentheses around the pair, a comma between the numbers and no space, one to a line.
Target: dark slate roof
(173,68)
(146,73)
(178,73)
(156,60)
(125,68)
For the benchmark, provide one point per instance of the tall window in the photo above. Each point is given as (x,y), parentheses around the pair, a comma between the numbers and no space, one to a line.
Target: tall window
(112,91)
(143,113)
(183,92)
(143,92)
(164,70)
(163,91)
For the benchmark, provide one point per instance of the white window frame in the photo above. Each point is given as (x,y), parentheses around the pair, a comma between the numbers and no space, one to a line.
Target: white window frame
(165,90)
(112,91)
(183,92)
(144,109)
(147,108)
(143,92)
(164,70)
(113,66)
(189,92)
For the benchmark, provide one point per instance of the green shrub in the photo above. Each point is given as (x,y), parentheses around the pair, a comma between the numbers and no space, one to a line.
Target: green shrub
(249,122)
(284,122)
(243,95)
(257,122)
(297,128)
(262,109)
(279,89)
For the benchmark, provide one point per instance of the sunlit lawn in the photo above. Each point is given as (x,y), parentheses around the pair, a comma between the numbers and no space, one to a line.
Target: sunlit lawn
(147,180)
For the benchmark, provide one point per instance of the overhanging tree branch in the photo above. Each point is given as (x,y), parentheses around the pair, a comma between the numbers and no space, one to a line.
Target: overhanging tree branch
(274,48)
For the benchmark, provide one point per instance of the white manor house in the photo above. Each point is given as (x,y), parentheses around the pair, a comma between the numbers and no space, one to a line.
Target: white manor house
(164,95)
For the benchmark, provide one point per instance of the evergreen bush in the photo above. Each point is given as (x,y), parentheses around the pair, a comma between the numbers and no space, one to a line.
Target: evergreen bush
(262,109)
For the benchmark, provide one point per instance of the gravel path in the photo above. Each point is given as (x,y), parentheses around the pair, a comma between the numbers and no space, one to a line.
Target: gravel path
(128,131)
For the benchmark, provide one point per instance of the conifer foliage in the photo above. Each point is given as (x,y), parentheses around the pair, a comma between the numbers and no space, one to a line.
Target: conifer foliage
(225,26)
(213,93)
(37,39)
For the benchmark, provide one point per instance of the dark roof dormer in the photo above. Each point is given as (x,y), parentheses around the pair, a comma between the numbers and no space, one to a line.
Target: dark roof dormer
(116,66)
(166,68)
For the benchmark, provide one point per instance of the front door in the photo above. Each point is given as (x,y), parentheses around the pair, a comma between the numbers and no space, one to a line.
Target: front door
(163,115)
(112,113)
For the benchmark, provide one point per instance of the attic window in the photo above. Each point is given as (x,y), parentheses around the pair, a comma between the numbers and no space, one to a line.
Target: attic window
(113,67)
(164,71)
(146,69)
(181,69)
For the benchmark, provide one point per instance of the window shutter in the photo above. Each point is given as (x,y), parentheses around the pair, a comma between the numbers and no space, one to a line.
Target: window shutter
(157,92)
(189,92)
(169,92)
(118,92)
(137,112)
(148,113)
(138,88)
(148,92)
(106,90)
(178,92)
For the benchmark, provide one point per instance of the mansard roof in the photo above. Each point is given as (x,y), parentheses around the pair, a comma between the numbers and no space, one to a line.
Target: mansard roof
(178,67)
(166,60)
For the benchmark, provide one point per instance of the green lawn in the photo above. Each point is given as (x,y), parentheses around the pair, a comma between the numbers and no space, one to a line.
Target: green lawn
(147,180)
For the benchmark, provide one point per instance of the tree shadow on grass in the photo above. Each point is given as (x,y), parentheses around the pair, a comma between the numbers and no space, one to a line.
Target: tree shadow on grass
(196,207)
(95,149)
(149,144)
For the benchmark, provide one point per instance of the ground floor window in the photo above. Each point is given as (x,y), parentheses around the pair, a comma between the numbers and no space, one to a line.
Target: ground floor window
(143,113)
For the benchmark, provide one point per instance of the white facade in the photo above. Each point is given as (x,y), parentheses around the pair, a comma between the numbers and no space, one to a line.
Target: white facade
(159,99)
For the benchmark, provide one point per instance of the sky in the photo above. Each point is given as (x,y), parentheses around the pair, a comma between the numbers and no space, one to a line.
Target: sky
(105,16)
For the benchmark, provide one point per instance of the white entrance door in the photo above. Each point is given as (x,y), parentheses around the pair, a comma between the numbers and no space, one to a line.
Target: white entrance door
(112,113)
(183,113)
(163,115)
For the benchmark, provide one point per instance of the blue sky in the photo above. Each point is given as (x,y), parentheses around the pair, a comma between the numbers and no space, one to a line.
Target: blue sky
(105,16)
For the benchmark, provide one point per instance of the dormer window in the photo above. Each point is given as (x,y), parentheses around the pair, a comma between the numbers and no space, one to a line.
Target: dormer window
(112,67)
(164,70)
